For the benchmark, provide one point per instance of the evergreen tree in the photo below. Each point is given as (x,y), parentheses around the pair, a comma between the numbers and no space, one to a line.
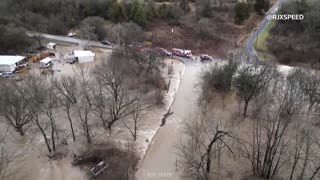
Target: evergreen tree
(205,8)
(184,5)
(242,11)
(138,13)
(262,6)
(151,10)
(118,12)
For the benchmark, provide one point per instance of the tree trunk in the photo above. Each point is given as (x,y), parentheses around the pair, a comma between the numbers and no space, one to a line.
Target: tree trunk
(110,128)
(20,130)
(88,135)
(71,124)
(52,136)
(245,108)
(44,136)
(135,132)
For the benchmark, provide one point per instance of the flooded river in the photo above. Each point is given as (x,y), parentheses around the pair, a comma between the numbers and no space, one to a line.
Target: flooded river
(161,158)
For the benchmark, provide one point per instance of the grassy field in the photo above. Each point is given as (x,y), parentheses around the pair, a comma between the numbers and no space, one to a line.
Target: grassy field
(260,45)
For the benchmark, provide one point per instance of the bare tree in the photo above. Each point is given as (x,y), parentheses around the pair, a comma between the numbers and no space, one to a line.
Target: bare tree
(139,108)
(310,84)
(152,62)
(4,158)
(37,93)
(266,154)
(99,101)
(120,102)
(88,33)
(67,88)
(126,34)
(49,107)
(84,105)
(251,82)
(204,138)
(13,103)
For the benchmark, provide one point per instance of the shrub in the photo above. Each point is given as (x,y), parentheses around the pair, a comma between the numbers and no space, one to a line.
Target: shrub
(262,6)
(242,12)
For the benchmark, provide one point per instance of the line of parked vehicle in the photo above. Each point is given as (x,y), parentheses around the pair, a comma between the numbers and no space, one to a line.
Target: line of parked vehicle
(175,51)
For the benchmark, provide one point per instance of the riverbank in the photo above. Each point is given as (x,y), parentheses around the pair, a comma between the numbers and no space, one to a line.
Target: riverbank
(178,71)
(161,160)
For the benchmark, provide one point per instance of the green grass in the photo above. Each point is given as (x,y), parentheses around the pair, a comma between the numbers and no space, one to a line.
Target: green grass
(261,45)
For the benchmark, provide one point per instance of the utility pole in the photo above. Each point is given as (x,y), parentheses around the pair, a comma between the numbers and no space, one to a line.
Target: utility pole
(172,43)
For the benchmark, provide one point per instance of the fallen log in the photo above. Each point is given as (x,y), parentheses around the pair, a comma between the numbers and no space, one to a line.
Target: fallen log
(164,119)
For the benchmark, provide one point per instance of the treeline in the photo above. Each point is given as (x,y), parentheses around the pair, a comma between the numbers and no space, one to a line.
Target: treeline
(56,17)
(280,112)
(244,8)
(118,90)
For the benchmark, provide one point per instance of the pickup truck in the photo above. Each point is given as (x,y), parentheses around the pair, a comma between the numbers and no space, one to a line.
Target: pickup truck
(7,75)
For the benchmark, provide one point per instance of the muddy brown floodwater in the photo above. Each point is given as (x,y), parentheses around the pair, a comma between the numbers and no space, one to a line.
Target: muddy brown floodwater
(161,158)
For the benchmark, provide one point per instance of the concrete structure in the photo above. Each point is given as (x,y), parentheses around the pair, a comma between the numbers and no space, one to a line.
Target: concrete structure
(10,63)
(51,46)
(84,56)
(45,63)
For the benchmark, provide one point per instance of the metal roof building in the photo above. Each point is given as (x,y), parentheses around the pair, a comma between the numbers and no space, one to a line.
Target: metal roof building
(84,56)
(10,63)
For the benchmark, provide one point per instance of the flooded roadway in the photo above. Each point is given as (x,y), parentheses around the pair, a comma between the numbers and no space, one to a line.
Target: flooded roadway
(161,159)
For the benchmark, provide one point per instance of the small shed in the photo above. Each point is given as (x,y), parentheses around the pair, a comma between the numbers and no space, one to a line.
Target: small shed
(84,56)
(51,46)
(10,63)
(45,63)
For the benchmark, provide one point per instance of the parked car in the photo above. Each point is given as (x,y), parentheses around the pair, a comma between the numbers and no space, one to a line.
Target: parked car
(163,51)
(187,54)
(7,75)
(178,52)
(182,53)
(107,43)
(31,52)
(71,60)
(205,57)
(71,34)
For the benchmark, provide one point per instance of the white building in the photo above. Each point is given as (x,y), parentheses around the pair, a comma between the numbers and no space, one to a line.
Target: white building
(84,56)
(10,63)
(51,45)
(45,63)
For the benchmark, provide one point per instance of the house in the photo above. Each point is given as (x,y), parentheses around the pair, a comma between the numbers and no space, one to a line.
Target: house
(84,56)
(51,46)
(46,62)
(10,63)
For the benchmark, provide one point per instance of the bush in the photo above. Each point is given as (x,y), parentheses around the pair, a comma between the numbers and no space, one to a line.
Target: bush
(98,25)
(205,8)
(262,6)
(184,5)
(138,13)
(242,12)
(218,77)
(171,13)
(206,29)
(13,39)
(118,12)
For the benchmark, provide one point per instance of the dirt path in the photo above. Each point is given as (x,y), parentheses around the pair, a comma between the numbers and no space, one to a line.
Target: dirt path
(161,158)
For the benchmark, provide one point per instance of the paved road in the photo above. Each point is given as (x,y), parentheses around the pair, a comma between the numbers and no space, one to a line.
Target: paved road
(253,36)
(80,42)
